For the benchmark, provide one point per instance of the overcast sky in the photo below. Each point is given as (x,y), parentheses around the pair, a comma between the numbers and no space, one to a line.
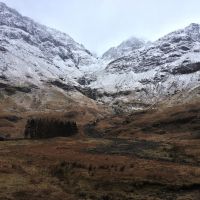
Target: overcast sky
(100,24)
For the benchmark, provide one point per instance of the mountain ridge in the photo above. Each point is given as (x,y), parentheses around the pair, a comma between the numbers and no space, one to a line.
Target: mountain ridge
(38,57)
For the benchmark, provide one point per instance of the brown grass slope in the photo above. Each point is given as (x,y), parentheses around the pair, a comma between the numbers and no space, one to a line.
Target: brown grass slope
(153,154)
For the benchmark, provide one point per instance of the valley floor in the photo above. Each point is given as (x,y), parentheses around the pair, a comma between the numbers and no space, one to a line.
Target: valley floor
(155,161)
(99,169)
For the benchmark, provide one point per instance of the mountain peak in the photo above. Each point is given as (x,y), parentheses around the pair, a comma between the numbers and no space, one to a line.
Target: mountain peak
(132,42)
(124,48)
(3,5)
(194,25)
(193,29)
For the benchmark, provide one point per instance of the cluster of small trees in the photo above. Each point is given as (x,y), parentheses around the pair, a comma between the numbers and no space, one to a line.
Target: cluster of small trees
(49,128)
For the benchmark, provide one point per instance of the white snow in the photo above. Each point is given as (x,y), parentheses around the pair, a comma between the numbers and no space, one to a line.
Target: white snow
(36,54)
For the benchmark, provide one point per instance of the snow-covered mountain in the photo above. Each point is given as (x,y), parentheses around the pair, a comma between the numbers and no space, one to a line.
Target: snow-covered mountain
(166,67)
(33,53)
(125,48)
(40,62)
(39,65)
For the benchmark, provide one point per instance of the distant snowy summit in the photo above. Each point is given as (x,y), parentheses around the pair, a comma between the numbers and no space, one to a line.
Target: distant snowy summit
(124,48)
